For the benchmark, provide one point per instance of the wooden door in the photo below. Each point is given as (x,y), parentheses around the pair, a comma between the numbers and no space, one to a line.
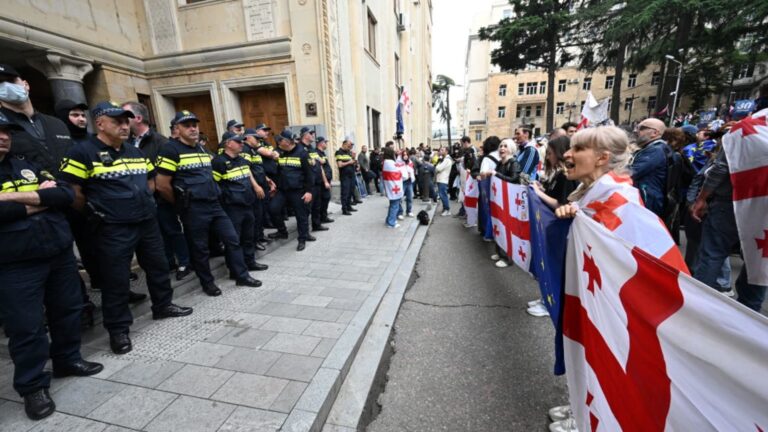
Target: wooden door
(265,106)
(202,107)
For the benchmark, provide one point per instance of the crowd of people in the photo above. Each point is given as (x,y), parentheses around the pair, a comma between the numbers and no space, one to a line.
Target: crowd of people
(679,173)
(125,190)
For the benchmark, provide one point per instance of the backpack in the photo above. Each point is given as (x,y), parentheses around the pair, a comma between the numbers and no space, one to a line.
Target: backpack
(423,217)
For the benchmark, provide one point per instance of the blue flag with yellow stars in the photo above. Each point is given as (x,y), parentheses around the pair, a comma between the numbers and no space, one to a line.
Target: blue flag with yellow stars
(549,239)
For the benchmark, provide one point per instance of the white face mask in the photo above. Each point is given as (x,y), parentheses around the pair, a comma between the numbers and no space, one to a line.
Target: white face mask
(12,93)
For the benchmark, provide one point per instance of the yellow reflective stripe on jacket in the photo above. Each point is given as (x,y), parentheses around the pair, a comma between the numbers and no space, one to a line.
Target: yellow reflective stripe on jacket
(217,176)
(19,186)
(289,161)
(237,173)
(343,158)
(193,160)
(314,156)
(120,166)
(246,156)
(167,164)
(74,168)
(256,158)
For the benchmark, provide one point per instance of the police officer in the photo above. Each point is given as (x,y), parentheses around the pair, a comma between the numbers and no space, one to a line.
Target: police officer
(38,278)
(185,178)
(346,164)
(113,184)
(239,191)
(234,127)
(269,156)
(257,155)
(294,188)
(325,191)
(320,180)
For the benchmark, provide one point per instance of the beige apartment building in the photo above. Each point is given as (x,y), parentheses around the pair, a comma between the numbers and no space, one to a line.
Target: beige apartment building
(336,64)
(515,99)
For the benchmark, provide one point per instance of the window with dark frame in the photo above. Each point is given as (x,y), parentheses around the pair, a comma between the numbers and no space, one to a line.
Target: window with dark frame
(520,89)
(632,80)
(530,88)
(519,111)
(561,86)
(538,110)
(502,112)
(651,103)
(543,87)
(609,81)
(587,84)
(560,108)
(502,90)
(628,103)
(656,78)
(370,41)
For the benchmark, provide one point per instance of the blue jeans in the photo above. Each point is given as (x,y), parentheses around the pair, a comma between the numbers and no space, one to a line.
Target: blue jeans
(719,236)
(394,208)
(408,196)
(750,295)
(442,189)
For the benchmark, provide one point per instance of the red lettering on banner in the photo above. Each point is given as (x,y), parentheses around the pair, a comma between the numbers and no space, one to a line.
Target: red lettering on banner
(762,243)
(638,394)
(747,125)
(605,210)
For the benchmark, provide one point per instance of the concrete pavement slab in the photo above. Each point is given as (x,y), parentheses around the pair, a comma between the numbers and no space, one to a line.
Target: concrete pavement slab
(196,380)
(251,390)
(253,420)
(133,408)
(188,414)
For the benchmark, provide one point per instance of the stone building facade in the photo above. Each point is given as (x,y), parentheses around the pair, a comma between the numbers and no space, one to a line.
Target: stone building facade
(336,64)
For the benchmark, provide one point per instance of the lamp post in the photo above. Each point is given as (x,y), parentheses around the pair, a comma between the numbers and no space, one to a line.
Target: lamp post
(677,89)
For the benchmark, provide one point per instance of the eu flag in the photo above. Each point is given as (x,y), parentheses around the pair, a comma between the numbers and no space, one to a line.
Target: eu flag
(549,239)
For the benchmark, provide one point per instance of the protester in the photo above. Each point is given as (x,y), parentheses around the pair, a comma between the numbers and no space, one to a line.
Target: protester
(528,156)
(405,165)
(442,176)
(393,186)
(488,163)
(649,164)
(508,169)
(554,186)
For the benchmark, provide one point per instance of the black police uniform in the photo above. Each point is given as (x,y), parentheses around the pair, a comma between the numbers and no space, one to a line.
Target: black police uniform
(44,139)
(347,177)
(317,188)
(197,201)
(122,214)
(270,170)
(237,197)
(294,180)
(38,277)
(259,204)
(325,194)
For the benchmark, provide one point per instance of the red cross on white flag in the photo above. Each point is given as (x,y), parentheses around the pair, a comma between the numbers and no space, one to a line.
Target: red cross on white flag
(746,147)
(509,211)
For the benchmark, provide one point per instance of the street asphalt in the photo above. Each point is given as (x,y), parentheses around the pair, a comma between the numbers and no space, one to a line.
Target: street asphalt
(467,357)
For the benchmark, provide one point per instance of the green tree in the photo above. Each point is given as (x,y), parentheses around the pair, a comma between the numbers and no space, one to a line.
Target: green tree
(441,100)
(534,36)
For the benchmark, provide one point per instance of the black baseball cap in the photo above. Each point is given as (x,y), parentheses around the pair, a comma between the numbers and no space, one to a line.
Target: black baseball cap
(233,137)
(110,109)
(286,134)
(233,123)
(184,116)
(304,130)
(6,123)
(69,105)
(6,69)
(249,132)
(320,139)
(262,126)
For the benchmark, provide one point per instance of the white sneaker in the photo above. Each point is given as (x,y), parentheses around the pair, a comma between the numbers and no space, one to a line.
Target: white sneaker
(397,225)
(730,293)
(533,303)
(445,213)
(501,264)
(410,214)
(487,240)
(466,225)
(495,257)
(560,413)
(567,425)
(538,311)
(400,217)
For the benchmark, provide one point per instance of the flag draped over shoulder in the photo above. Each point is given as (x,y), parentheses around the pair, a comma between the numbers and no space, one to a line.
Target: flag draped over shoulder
(613,202)
(549,238)
(509,218)
(471,198)
(648,348)
(746,147)
(393,180)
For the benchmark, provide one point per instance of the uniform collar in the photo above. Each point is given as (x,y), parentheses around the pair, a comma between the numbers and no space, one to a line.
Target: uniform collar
(102,146)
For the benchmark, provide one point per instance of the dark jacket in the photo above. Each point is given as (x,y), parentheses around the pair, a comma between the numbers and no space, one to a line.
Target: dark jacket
(649,174)
(509,170)
(151,143)
(47,153)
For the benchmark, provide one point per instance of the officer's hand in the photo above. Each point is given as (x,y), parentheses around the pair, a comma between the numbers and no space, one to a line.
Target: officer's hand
(47,184)
(275,155)
(35,209)
(307,197)
(327,185)
(259,192)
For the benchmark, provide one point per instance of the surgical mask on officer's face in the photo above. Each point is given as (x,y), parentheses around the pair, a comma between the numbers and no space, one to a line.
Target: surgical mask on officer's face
(13,93)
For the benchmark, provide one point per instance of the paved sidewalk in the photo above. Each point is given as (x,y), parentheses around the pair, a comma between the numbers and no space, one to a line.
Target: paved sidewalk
(254,359)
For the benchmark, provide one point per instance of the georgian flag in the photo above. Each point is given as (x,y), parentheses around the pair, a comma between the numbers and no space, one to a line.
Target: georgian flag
(593,111)
(509,218)
(746,147)
(393,180)
(648,348)
(471,198)
(613,202)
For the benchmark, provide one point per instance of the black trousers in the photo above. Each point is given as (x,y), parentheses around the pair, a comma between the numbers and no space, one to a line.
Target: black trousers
(30,291)
(347,193)
(325,199)
(243,221)
(176,250)
(258,218)
(292,198)
(201,219)
(83,234)
(317,205)
(117,244)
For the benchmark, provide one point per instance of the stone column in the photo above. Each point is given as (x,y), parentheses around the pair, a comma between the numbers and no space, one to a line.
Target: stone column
(65,74)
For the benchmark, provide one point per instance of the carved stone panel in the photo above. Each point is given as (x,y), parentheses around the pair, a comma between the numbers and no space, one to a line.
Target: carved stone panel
(259,19)
(163,27)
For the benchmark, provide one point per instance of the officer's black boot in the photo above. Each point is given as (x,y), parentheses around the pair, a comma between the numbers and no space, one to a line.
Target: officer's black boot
(120,343)
(302,245)
(39,405)
(211,289)
(254,266)
(248,281)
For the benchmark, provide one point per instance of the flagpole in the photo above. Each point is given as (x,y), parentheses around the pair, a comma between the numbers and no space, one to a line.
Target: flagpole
(677,89)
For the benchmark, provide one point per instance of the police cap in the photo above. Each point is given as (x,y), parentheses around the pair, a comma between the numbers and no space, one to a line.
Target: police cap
(110,109)
(184,116)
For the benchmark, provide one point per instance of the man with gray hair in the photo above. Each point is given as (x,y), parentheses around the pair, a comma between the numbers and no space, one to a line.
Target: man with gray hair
(649,164)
